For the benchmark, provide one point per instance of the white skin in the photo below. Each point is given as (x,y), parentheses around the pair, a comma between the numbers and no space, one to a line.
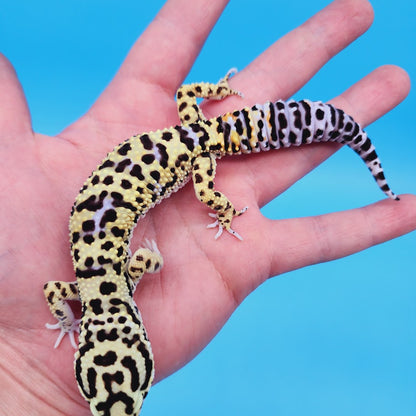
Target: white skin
(41,176)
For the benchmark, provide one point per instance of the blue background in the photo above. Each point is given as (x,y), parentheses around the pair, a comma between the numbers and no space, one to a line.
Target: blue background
(336,338)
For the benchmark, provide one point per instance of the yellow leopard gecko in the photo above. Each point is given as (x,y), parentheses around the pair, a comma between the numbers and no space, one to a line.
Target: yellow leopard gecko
(114,363)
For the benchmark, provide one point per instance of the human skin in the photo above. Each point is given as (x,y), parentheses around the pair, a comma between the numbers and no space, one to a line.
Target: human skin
(203,280)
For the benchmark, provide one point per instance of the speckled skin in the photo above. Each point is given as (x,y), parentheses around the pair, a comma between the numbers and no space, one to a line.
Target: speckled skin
(114,363)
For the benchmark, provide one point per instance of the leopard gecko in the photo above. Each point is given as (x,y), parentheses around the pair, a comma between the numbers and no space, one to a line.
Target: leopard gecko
(114,365)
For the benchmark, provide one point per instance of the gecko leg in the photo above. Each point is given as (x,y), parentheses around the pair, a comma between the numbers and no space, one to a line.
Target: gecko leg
(57,294)
(188,109)
(203,174)
(146,259)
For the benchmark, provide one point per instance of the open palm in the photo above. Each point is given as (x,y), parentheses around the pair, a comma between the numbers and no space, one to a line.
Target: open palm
(203,280)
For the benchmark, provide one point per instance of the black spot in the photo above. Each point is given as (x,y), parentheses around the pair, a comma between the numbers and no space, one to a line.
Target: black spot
(92,378)
(125,184)
(123,150)
(95,180)
(88,273)
(148,159)
(88,239)
(148,363)
(371,156)
(114,310)
(103,260)
(88,225)
(117,232)
(122,319)
(89,261)
(117,268)
(146,142)
(109,216)
(104,408)
(366,145)
(92,203)
(319,114)
(108,180)
(298,121)
(167,135)
(131,341)
(348,127)
(282,121)
(292,137)
(107,164)
(246,117)
(102,335)
(96,306)
(182,106)
(131,365)
(307,107)
(75,237)
(306,133)
(198,178)
(164,157)
(380,176)
(155,175)
(50,296)
(105,360)
(136,171)
(334,135)
(184,138)
(107,288)
(239,127)
(107,245)
(122,165)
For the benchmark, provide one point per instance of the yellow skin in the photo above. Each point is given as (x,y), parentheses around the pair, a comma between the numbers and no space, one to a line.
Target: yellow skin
(203,287)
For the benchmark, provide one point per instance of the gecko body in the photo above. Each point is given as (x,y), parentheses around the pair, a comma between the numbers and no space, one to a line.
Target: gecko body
(114,362)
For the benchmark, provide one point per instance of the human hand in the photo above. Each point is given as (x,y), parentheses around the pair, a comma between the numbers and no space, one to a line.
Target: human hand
(202,280)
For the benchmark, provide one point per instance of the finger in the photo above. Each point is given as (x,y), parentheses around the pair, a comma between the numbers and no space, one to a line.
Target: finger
(367,100)
(140,97)
(291,61)
(14,112)
(165,52)
(292,244)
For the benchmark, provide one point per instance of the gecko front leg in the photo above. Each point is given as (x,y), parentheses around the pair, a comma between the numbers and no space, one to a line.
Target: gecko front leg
(203,174)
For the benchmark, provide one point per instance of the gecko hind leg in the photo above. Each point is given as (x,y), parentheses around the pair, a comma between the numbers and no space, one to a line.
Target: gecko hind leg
(146,259)
(57,293)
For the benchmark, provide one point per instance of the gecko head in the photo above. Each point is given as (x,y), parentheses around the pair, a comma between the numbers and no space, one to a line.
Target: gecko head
(114,367)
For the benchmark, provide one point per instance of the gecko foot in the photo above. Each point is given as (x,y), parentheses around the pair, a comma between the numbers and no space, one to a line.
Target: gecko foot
(70,331)
(219,222)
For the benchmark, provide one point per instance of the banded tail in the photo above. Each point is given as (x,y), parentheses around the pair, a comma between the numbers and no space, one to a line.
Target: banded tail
(294,123)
